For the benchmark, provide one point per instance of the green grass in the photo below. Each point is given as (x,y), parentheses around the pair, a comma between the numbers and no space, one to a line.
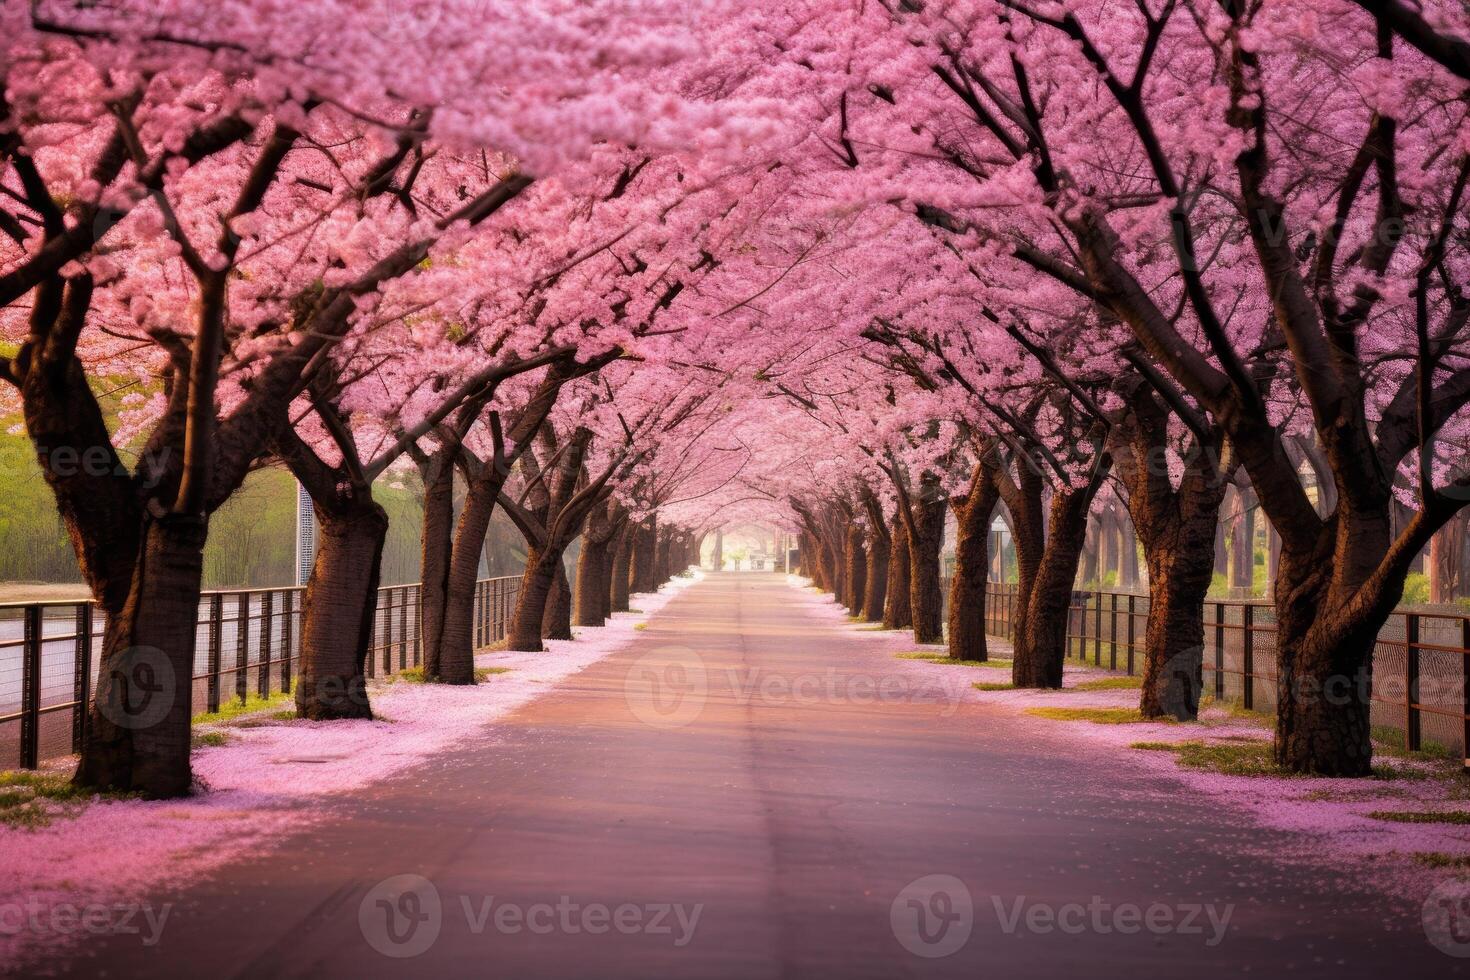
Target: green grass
(1422,816)
(211,740)
(876,627)
(1099,716)
(1391,741)
(640,626)
(935,657)
(1112,684)
(1235,708)
(234,708)
(415,675)
(1439,859)
(1241,757)
(30,800)
(983,686)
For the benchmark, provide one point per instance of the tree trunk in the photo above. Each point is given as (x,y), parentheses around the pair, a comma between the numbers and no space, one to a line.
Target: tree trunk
(855,570)
(338,609)
(1041,646)
(877,581)
(592,586)
(556,620)
(1180,553)
(662,557)
(436,545)
(973,516)
(896,613)
(454,659)
(622,568)
(926,601)
(138,738)
(536,585)
(645,576)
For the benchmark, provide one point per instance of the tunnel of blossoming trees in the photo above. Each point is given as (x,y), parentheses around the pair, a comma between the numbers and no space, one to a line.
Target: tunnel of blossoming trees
(809,489)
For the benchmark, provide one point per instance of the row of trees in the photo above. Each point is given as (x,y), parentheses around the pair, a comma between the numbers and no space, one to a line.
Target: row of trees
(1164,249)
(855,267)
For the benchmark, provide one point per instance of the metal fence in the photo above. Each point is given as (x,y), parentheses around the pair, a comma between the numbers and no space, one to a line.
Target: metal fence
(1419,664)
(247,642)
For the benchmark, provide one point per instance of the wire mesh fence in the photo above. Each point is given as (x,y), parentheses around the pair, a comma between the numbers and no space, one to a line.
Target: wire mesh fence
(1418,671)
(247,643)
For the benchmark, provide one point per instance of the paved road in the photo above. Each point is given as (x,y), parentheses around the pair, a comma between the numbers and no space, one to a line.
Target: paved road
(759,786)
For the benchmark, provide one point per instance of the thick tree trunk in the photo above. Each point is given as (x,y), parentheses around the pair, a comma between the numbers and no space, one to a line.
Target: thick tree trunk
(877,580)
(973,515)
(537,583)
(591,582)
(855,571)
(622,567)
(436,546)
(1180,564)
(926,600)
(645,540)
(718,559)
(556,620)
(662,557)
(896,612)
(1324,643)
(337,611)
(1041,646)
(138,737)
(454,658)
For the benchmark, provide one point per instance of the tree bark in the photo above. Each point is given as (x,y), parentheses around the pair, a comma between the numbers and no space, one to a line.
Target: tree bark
(896,613)
(926,538)
(622,567)
(855,570)
(436,544)
(338,609)
(556,620)
(537,583)
(973,515)
(877,580)
(1042,649)
(138,738)
(645,575)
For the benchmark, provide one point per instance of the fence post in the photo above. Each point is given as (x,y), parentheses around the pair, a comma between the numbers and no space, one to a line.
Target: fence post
(1465,690)
(30,690)
(216,616)
(288,605)
(388,636)
(1113,630)
(1097,631)
(267,641)
(81,684)
(1248,654)
(402,628)
(242,647)
(1411,681)
(417,596)
(1219,651)
(1132,629)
